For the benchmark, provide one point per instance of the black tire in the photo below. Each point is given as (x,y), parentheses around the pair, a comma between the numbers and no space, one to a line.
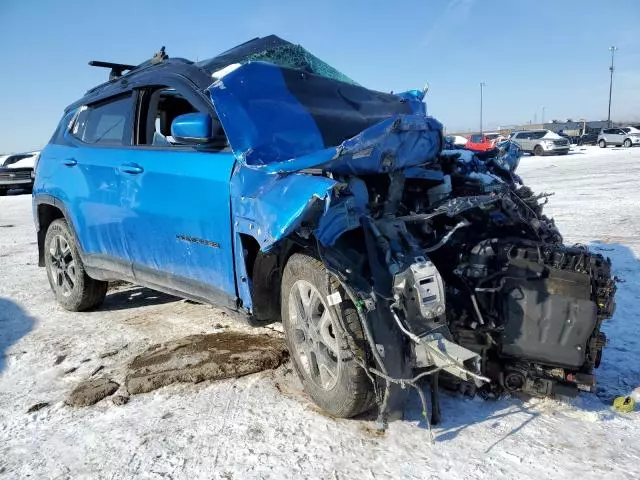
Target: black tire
(627,143)
(71,285)
(538,150)
(352,392)
(602,144)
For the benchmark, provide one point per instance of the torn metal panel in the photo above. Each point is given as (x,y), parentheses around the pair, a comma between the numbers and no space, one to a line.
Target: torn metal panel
(343,214)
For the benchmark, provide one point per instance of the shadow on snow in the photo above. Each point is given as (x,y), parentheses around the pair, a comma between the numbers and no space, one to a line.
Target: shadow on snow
(14,324)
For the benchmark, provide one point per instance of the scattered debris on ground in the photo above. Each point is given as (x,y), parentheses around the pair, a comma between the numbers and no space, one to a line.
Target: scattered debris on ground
(59,359)
(120,400)
(91,391)
(204,357)
(112,353)
(37,406)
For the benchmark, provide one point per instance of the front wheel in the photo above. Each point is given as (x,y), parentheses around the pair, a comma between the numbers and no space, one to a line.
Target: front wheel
(602,144)
(323,354)
(539,151)
(627,143)
(73,288)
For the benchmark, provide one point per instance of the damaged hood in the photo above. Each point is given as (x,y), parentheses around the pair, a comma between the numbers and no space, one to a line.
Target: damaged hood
(282,120)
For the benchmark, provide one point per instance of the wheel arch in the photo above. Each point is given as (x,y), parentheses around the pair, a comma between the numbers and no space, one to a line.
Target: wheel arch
(47,209)
(264,270)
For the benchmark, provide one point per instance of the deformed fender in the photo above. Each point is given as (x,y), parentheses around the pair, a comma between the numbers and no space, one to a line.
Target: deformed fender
(271,206)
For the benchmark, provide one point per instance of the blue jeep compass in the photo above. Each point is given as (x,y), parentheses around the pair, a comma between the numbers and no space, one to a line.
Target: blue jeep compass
(268,183)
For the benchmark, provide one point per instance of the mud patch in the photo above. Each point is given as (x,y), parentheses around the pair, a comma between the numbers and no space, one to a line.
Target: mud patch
(91,391)
(197,358)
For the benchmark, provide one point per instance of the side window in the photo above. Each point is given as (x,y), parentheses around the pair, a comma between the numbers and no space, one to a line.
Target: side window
(537,135)
(476,138)
(158,108)
(103,123)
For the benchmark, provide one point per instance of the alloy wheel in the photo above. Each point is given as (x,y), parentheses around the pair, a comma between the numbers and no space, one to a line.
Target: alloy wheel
(314,335)
(63,265)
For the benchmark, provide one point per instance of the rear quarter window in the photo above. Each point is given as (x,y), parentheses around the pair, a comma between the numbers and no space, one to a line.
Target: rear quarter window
(63,127)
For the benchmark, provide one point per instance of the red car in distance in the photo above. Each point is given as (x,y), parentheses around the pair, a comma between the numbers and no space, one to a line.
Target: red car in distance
(482,142)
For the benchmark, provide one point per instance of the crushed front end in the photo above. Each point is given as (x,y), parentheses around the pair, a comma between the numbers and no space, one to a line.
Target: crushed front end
(456,274)
(457,253)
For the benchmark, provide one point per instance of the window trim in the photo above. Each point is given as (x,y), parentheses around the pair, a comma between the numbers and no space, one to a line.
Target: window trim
(192,96)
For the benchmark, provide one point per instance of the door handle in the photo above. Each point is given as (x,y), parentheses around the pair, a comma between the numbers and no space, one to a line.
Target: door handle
(132,168)
(70,162)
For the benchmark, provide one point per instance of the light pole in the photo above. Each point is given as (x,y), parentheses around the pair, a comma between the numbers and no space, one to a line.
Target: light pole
(611,68)
(482,84)
(542,117)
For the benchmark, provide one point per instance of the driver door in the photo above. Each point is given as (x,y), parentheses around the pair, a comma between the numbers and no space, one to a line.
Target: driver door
(179,223)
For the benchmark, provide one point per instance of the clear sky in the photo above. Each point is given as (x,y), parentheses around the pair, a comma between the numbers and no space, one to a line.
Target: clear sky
(531,54)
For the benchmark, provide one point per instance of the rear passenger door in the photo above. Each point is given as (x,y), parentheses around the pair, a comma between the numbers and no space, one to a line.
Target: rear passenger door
(619,135)
(178,199)
(611,136)
(88,182)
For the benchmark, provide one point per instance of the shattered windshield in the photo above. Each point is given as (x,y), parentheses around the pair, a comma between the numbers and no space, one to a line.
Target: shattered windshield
(294,56)
(275,50)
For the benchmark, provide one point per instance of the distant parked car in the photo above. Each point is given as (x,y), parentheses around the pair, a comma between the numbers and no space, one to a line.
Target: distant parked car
(589,138)
(479,143)
(619,136)
(541,142)
(16,171)
(456,140)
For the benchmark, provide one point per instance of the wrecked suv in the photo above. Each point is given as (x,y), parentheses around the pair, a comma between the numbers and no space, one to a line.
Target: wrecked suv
(266,182)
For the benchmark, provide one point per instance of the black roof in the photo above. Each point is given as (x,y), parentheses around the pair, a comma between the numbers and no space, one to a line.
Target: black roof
(199,73)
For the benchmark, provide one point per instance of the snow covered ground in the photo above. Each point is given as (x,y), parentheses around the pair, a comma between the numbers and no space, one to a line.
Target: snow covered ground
(263,426)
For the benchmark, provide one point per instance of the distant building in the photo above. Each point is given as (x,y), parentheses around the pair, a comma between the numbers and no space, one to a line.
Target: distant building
(578,126)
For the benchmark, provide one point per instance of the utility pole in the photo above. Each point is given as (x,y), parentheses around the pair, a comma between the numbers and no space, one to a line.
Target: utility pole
(611,68)
(482,84)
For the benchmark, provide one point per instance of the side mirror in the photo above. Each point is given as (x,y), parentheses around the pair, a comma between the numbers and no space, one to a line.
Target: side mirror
(194,128)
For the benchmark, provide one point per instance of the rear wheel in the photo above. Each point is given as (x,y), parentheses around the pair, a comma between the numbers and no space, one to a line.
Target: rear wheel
(73,288)
(627,143)
(602,144)
(538,150)
(320,350)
